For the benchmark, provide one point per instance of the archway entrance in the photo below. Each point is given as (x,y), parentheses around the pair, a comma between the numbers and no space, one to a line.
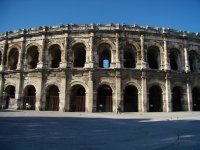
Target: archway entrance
(10,94)
(29,98)
(52,98)
(196,99)
(104,99)
(77,99)
(176,99)
(155,99)
(130,99)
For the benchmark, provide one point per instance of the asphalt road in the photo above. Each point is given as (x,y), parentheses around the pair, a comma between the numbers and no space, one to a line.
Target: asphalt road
(29,130)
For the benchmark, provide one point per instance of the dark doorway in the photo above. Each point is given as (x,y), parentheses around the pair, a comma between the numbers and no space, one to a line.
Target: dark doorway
(155,99)
(176,99)
(32,57)
(54,56)
(52,98)
(196,99)
(79,55)
(13,59)
(153,56)
(104,55)
(29,98)
(104,99)
(130,99)
(10,93)
(77,99)
(174,59)
(129,57)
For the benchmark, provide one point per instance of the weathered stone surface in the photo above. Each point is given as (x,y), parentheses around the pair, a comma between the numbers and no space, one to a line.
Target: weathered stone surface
(72,59)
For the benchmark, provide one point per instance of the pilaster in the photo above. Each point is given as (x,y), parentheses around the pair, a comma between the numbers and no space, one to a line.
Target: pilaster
(118,64)
(118,92)
(166,57)
(143,57)
(63,63)
(143,103)
(168,99)
(189,95)
(89,101)
(187,67)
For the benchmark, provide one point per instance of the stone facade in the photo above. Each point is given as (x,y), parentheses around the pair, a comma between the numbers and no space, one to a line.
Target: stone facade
(100,67)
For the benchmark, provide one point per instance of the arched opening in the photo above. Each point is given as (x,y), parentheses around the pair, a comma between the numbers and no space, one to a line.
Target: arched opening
(193,61)
(79,55)
(13,59)
(104,99)
(10,94)
(104,55)
(175,59)
(130,56)
(52,98)
(130,99)
(32,57)
(155,99)
(77,99)
(196,98)
(153,57)
(29,97)
(54,56)
(0,58)
(176,99)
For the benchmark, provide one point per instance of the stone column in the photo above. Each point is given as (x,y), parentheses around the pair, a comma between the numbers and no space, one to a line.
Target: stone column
(38,93)
(118,94)
(89,56)
(40,57)
(67,91)
(118,64)
(62,94)
(42,103)
(168,99)
(166,57)
(2,66)
(187,66)
(63,62)
(189,95)
(89,101)
(143,103)
(143,57)
(20,63)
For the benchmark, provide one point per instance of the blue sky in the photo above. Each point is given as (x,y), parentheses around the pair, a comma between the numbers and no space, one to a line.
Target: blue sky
(177,14)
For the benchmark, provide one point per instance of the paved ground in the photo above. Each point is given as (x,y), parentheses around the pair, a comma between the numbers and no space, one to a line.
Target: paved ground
(29,130)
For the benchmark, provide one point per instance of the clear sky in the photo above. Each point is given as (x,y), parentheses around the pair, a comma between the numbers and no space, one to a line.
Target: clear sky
(177,14)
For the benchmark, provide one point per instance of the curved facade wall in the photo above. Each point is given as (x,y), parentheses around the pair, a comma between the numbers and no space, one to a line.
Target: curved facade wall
(98,68)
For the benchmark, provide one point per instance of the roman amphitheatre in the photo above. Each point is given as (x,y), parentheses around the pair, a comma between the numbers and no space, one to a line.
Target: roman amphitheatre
(100,67)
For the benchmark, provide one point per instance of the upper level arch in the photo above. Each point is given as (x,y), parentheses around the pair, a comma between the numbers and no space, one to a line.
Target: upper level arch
(54,56)
(194,61)
(79,55)
(130,56)
(32,55)
(154,57)
(175,59)
(105,54)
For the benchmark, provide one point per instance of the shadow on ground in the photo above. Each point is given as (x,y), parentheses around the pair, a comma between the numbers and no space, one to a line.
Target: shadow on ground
(67,133)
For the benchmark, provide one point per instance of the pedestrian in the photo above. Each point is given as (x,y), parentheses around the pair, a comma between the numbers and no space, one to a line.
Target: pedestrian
(118,109)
